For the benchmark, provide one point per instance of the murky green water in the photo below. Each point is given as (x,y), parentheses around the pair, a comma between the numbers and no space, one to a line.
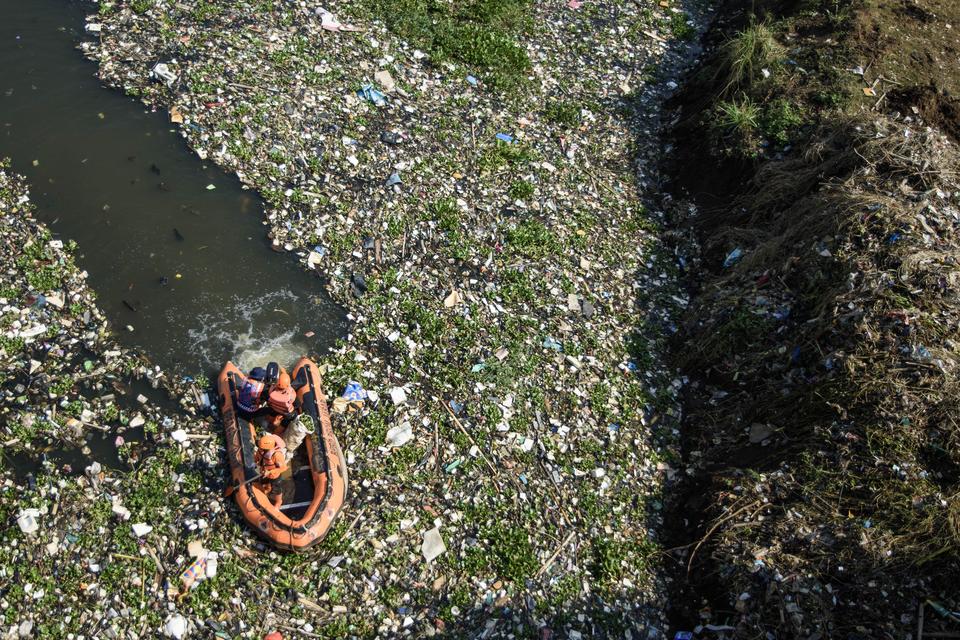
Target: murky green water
(123,184)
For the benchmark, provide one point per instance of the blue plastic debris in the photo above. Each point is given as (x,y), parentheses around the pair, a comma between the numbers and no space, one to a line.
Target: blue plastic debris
(631,365)
(472,81)
(782,313)
(478,367)
(683,635)
(613,427)
(732,257)
(550,343)
(354,392)
(368,93)
(321,251)
(795,355)
(394,179)
(505,138)
(456,407)
(920,352)
(895,236)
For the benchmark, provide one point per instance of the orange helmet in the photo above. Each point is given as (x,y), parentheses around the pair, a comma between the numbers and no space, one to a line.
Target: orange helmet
(283,382)
(266,442)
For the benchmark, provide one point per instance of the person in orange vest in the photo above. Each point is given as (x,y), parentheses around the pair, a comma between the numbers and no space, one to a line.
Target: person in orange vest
(250,394)
(271,459)
(282,400)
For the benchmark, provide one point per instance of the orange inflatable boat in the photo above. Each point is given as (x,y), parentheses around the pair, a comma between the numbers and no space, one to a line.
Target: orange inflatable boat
(314,487)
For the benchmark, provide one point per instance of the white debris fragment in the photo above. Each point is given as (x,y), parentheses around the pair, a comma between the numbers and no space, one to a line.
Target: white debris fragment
(398,395)
(27,520)
(175,627)
(399,435)
(433,545)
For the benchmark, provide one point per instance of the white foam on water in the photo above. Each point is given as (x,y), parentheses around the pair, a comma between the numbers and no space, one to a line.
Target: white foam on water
(284,350)
(249,331)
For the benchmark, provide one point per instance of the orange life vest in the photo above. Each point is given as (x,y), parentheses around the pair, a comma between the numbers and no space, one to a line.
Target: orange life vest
(281,400)
(272,462)
(248,398)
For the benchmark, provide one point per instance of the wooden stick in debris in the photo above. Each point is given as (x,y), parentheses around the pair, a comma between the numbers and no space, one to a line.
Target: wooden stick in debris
(714,528)
(651,34)
(436,446)
(546,565)
(268,610)
(124,556)
(355,520)
(300,631)
(156,559)
(556,493)
(923,603)
(307,603)
(456,421)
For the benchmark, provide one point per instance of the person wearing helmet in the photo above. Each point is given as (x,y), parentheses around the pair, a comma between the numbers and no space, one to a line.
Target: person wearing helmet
(282,398)
(271,460)
(250,395)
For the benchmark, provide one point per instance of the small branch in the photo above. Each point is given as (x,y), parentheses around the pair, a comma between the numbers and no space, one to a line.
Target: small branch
(651,34)
(553,558)
(714,528)
(923,603)
(300,631)
(456,421)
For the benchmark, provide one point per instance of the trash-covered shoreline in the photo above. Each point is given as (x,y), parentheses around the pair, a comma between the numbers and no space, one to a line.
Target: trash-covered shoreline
(71,398)
(510,422)
(820,494)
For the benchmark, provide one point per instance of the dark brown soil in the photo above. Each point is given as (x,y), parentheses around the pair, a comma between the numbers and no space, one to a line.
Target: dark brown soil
(937,109)
(910,42)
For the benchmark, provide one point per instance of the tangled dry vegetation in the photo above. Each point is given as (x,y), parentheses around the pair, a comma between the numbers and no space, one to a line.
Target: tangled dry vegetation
(829,379)
(824,451)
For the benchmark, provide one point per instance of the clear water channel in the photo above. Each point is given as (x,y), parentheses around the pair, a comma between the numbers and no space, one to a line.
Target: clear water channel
(187,267)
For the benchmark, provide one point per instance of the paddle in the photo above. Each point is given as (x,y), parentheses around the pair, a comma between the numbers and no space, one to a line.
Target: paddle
(229,491)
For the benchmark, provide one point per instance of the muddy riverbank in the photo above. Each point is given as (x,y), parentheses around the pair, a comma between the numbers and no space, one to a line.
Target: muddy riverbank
(821,489)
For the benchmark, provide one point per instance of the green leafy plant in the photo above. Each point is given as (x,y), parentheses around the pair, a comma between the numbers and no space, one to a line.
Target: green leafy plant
(521,190)
(563,113)
(779,120)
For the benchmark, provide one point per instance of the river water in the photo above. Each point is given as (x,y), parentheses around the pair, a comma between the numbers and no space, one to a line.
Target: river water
(175,248)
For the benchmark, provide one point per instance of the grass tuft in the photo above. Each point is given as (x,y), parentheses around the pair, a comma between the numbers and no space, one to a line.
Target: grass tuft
(741,117)
(747,53)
